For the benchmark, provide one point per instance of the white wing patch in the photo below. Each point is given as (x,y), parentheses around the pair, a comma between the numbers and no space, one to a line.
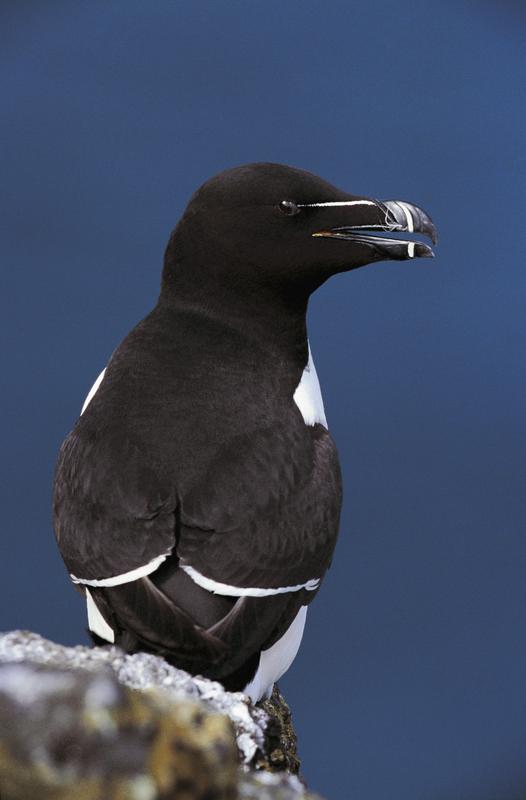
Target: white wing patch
(308,396)
(96,622)
(274,662)
(126,577)
(92,392)
(244,591)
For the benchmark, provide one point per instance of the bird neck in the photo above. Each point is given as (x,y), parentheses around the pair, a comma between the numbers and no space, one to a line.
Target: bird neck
(270,315)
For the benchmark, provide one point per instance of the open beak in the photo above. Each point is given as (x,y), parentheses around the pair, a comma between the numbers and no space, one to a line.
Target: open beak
(392,216)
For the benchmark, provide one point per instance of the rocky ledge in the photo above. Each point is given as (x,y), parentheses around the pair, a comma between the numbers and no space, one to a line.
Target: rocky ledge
(81,723)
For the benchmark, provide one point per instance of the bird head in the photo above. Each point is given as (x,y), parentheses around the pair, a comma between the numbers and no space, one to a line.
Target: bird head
(268,224)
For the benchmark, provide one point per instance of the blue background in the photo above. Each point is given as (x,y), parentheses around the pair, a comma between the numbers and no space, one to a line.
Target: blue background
(411,680)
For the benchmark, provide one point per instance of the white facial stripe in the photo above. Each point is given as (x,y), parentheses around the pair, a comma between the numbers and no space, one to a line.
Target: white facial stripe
(408,217)
(240,591)
(411,249)
(126,577)
(96,622)
(335,203)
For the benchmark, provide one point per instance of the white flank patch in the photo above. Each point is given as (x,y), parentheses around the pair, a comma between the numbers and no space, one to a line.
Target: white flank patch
(274,662)
(92,392)
(335,203)
(96,622)
(308,396)
(126,577)
(411,249)
(244,591)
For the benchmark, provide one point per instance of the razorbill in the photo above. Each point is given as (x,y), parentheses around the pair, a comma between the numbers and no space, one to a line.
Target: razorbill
(197,499)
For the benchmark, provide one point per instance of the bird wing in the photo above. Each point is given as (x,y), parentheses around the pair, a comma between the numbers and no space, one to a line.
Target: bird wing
(259,526)
(113,515)
(264,517)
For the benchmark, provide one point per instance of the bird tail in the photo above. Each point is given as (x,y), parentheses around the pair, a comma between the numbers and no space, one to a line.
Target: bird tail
(144,618)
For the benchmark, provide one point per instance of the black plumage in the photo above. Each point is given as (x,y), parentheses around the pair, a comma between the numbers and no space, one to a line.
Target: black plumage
(193,446)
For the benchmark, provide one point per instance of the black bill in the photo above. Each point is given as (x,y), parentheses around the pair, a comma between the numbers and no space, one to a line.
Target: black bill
(392,216)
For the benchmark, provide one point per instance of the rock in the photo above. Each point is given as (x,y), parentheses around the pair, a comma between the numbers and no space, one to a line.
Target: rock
(272,786)
(280,736)
(145,671)
(72,729)
(98,724)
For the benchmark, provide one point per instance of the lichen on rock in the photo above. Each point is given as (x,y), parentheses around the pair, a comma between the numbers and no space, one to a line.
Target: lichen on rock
(73,728)
(145,671)
(98,724)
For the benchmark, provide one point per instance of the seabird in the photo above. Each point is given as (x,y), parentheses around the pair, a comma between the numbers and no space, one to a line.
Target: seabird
(197,499)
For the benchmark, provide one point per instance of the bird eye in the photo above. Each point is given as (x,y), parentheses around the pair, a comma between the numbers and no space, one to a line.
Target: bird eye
(289,208)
